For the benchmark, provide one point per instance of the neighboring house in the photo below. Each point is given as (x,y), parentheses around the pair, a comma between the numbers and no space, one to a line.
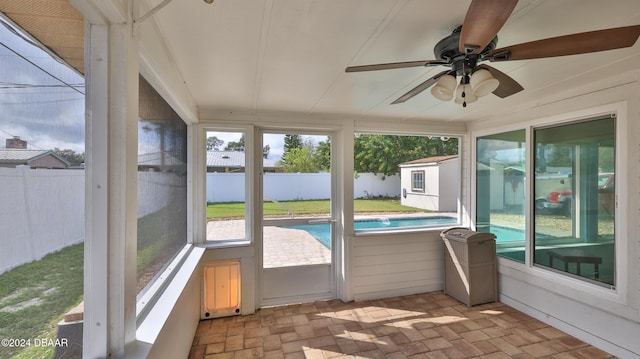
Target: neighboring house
(234,161)
(431,183)
(13,157)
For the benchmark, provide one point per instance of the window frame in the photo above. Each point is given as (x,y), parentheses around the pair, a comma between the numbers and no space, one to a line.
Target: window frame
(510,130)
(249,174)
(415,188)
(616,236)
(616,110)
(420,228)
(147,297)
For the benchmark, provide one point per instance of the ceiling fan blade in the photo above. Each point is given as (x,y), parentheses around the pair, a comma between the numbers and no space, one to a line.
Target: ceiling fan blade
(423,86)
(395,65)
(483,21)
(585,42)
(508,86)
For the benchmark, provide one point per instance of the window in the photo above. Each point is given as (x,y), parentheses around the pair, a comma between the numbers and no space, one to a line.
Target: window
(500,191)
(162,185)
(392,173)
(226,181)
(417,181)
(575,199)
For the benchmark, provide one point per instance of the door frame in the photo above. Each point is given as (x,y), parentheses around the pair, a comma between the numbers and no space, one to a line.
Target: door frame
(314,271)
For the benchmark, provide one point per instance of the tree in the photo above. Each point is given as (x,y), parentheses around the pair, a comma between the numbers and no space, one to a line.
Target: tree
(291,142)
(214,143)
(383,153)
(74,159)
(323,154)
(298,160)
(236,146)
(240,147)
(306,159)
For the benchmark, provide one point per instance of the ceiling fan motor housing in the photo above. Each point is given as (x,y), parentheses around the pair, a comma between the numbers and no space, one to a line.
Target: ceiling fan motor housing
(461,64)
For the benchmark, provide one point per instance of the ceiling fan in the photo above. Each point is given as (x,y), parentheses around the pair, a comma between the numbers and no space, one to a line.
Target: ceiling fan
(475,41)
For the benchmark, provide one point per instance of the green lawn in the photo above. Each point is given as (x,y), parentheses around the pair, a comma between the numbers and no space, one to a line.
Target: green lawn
(236,209)
(35,296)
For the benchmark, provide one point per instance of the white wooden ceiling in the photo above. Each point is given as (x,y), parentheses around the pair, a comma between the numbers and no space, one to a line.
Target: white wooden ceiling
(289,56)
(272,57)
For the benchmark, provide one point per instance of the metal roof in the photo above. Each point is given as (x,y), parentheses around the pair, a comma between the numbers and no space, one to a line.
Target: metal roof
(20,155)
(233,159)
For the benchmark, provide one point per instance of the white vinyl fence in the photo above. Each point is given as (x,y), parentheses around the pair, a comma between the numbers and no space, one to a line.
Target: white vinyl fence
(229,187)
(41,211)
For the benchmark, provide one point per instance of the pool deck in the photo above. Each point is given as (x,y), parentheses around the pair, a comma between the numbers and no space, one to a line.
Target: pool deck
(288,247)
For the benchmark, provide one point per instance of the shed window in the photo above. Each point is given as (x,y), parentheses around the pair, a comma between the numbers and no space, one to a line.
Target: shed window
(417,181)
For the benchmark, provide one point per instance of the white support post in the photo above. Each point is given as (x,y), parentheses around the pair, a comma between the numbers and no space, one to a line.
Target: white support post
(111,74)
(344,166)
(123,180)
(96,291)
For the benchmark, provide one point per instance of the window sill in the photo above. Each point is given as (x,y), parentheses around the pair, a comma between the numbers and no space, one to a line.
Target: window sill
(157,319)
(226,244)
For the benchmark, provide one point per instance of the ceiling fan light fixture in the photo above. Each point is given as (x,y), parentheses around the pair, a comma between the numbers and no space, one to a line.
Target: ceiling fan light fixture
(483,83)
(469,97)
(444,88)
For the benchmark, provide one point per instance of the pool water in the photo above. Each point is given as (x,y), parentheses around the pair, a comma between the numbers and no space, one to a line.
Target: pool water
(321,232)
(506,234)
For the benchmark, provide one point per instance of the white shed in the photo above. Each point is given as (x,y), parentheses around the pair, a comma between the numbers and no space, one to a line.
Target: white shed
(431,183)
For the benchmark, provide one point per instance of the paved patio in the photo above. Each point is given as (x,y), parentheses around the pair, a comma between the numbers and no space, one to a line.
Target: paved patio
(282,246)
(430,325)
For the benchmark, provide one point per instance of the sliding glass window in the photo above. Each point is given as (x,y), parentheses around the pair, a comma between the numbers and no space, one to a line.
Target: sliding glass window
(500,191)
(575,199)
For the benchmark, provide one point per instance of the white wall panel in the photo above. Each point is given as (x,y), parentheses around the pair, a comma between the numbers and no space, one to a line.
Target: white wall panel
(396,264)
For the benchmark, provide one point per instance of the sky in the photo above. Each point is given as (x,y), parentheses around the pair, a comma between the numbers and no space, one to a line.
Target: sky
(41,99)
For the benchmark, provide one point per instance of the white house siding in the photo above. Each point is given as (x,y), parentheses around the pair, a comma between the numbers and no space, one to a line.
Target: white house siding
(47,162)
(449,185)
(398,264)
(606,317)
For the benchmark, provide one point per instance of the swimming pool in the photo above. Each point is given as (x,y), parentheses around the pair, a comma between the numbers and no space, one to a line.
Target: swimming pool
(321,232)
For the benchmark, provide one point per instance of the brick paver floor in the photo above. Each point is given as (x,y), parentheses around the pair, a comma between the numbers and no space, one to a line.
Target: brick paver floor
(430,325)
